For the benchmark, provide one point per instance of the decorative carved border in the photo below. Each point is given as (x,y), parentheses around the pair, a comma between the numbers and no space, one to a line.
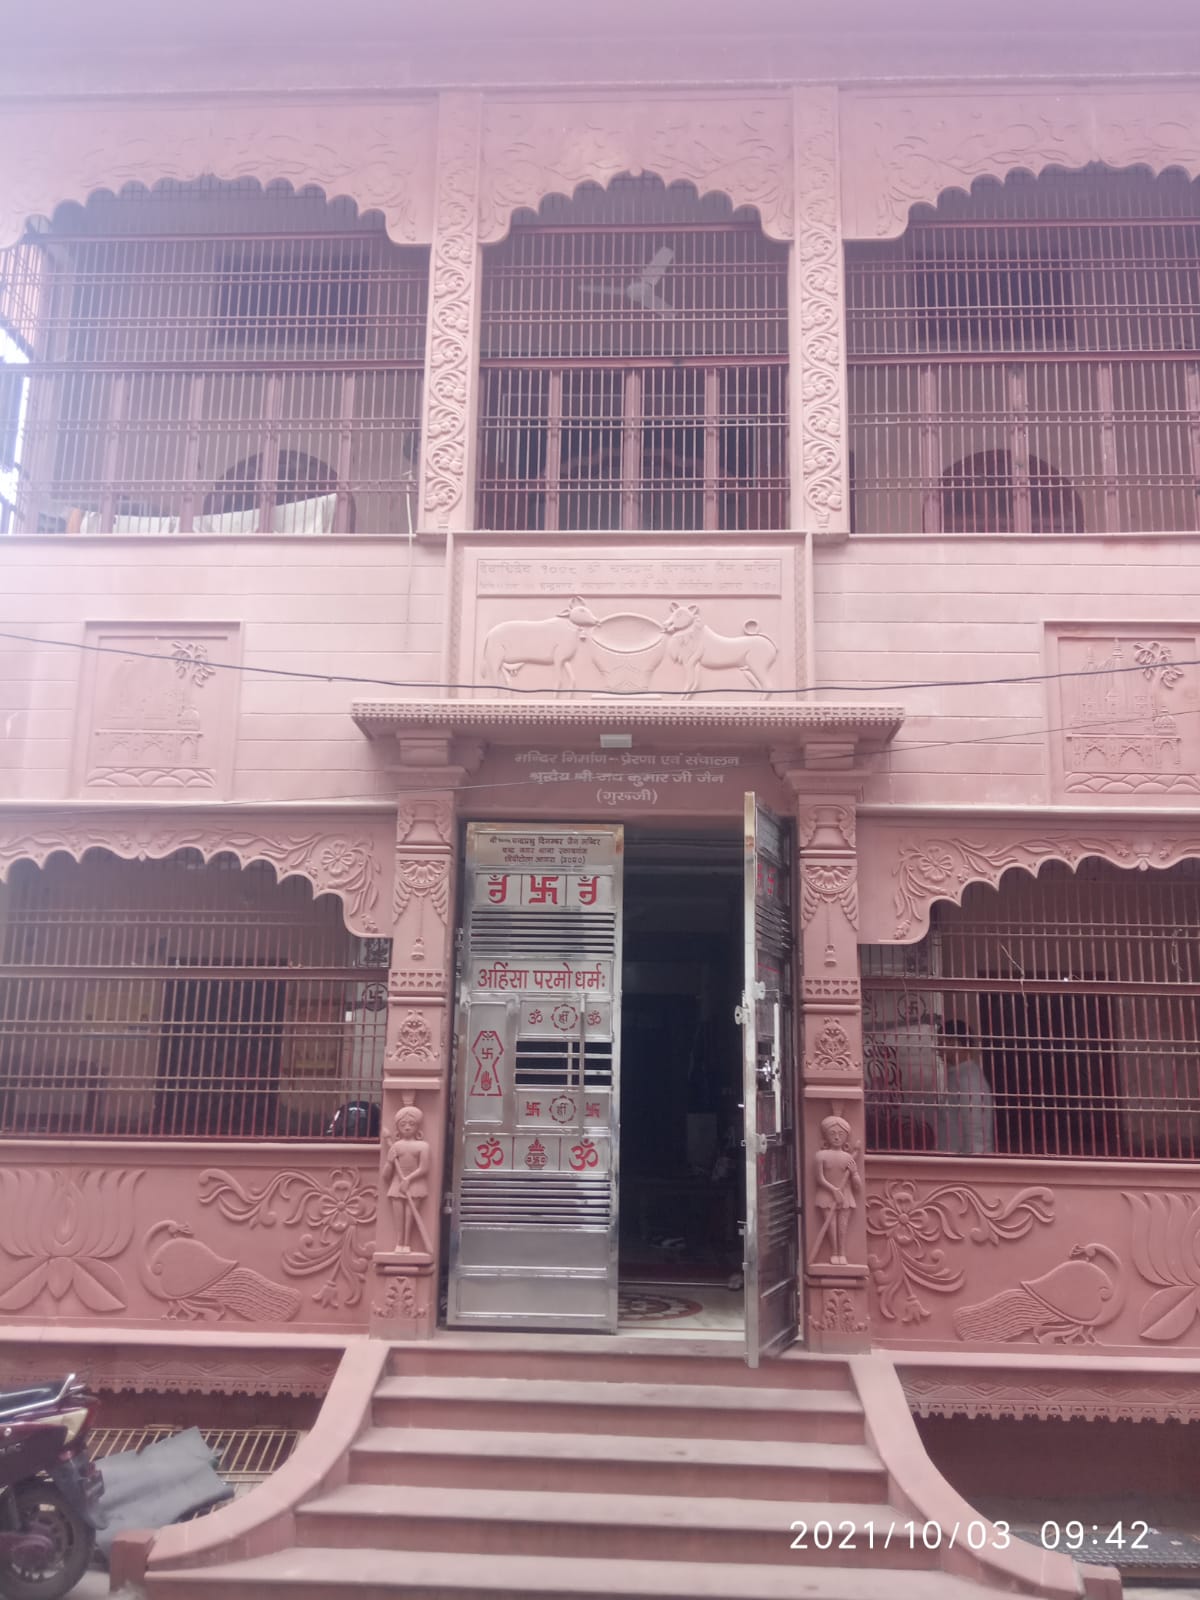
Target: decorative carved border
(381,156)
(344,858)
(451,357)
(741,147)
(901,150)
(201,1368)
(1063,1396)
(818,308)
(903,870)
(386,717)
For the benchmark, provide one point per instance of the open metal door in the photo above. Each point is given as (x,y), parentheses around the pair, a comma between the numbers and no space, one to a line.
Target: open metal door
(533,1239)
(768,1085)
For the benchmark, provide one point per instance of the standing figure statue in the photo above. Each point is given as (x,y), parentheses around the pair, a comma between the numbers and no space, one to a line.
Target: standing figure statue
(839,1184)
(407,1167)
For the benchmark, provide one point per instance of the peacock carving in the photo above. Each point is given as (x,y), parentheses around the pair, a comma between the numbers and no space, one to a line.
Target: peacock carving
(196,1283)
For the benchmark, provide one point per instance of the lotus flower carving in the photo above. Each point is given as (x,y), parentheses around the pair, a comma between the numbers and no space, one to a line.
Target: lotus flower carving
(1166,1252)
(64,1229)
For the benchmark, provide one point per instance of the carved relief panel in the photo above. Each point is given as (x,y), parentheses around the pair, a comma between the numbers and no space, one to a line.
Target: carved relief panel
(668,619)
(1128,729)
(900,150)
(978,1255)
(158,710)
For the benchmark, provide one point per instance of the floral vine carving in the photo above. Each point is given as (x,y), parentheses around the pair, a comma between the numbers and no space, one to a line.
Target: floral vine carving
(337,1210)
(65,1229)
(940,869)
(1166,1252)
(334,864)
(911,1229)
(819,309)
(452,275)
(382,163)
(741,148)
(904,151)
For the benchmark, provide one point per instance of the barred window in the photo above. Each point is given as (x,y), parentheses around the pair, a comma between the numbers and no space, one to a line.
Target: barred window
(634,356)
(1026,359)
(1054,1016)
(175,999)
(211,358)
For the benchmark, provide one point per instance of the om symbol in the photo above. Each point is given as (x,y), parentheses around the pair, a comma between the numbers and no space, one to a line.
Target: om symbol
(583,1155)
(490,1153)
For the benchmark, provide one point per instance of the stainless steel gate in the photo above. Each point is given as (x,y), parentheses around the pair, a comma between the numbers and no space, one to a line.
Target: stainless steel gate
(768,1082)
(534,1221)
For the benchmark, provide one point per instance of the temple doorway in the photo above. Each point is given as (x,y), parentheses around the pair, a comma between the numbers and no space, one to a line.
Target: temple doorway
(682,1169)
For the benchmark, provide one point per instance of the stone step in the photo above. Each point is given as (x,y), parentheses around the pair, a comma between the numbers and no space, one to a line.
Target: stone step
(372,1574)
(591,1526)
(741,1468)
(592,1359)
(700,1410)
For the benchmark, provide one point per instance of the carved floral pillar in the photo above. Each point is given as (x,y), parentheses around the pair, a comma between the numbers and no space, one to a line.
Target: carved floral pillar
(448,438)
(834,1310)
(819,453)
(416,1061)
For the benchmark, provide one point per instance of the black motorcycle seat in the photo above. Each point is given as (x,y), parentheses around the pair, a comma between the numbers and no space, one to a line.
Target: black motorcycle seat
(21,1399)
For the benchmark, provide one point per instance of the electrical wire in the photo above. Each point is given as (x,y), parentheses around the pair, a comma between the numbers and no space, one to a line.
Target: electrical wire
(1145,669)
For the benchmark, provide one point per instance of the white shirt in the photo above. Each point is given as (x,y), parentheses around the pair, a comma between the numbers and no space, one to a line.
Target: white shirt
(966,1119)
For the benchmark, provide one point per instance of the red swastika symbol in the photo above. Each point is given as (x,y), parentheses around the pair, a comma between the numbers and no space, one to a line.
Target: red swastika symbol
(487,1048)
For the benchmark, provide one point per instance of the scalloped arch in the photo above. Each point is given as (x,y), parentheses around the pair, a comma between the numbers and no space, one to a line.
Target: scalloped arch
(346,862)
(904,151)
(738,148)
(380,157)
(903,875)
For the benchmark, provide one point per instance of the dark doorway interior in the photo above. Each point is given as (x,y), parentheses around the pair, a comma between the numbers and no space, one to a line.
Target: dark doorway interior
(681,1173)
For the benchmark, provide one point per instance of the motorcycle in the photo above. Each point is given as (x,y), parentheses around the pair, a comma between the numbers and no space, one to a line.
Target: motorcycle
(49,1490)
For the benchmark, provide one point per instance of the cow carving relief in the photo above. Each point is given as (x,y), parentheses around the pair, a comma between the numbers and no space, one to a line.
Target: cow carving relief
(626,651)
(672,619)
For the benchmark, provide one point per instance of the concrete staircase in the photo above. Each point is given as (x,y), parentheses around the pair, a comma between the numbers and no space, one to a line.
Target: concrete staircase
(493,1468)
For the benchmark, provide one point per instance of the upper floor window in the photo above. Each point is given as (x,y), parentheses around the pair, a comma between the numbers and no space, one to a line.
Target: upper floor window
(1026,359)
(210,358)
(634,354)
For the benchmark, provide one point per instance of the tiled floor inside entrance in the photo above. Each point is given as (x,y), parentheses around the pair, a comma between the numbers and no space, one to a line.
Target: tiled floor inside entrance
(680,1308)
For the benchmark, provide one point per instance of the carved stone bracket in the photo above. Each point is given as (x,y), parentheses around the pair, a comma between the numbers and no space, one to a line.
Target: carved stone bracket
(905,869)
(345,857)
(740,147)
(382,157)
(450,358)
(902,150)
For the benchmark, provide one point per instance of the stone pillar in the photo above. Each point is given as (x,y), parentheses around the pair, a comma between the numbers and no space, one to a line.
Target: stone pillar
(452,353)
(834,1309)
(416,1060)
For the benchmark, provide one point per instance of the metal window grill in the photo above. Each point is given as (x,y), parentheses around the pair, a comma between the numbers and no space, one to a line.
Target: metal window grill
(245,1456)
(1027,360)
(211,358)
(634,365)
(176,1000)
(1076,997)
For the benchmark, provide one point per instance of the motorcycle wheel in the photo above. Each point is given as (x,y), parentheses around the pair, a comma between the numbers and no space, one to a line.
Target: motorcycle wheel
(41,1505)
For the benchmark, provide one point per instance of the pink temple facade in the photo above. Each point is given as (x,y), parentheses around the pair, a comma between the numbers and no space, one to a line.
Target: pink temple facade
(429,511)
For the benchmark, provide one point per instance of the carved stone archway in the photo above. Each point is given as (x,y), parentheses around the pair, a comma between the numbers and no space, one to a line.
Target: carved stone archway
(346,857)
(905,866)
(901,150)
(741,147)
(382,157)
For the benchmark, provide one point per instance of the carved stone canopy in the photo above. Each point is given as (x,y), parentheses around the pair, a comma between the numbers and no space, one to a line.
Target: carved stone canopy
(851,728)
